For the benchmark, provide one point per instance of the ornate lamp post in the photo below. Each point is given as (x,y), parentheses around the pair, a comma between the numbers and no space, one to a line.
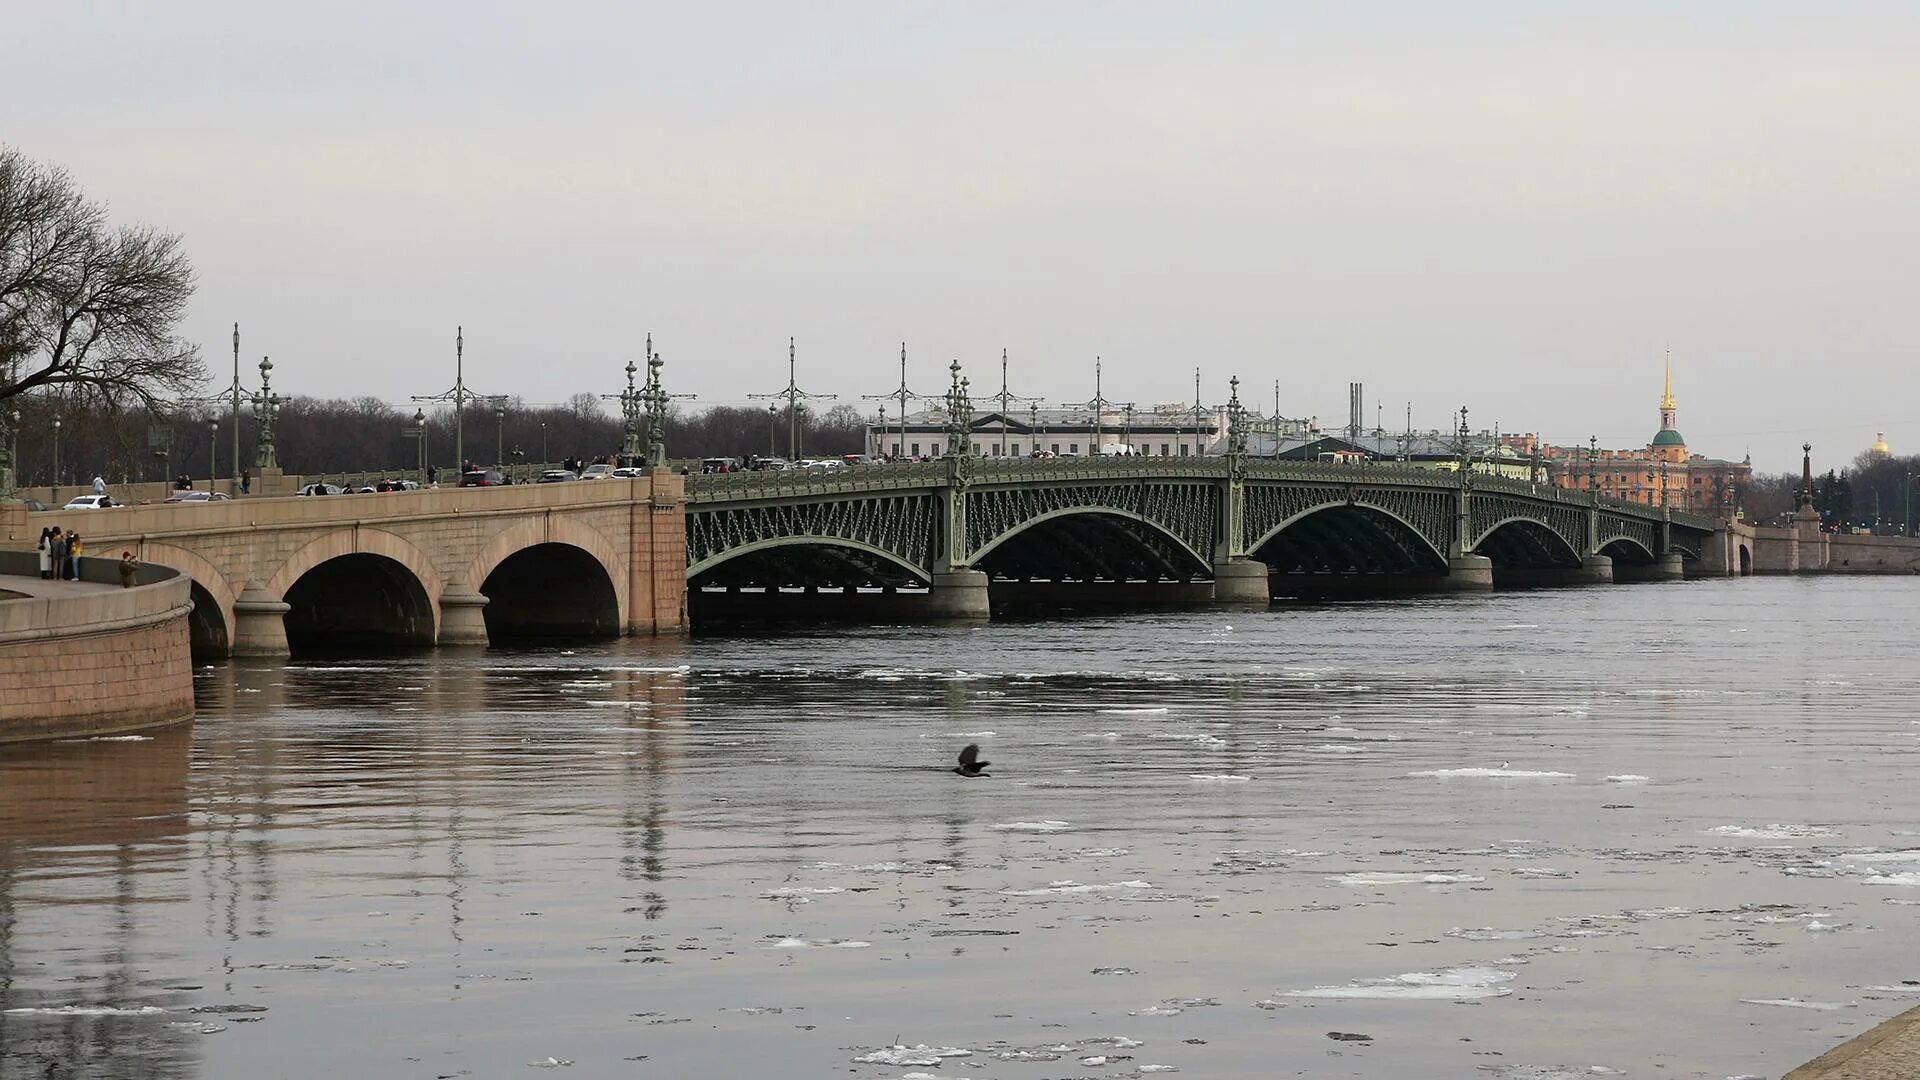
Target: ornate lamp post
(1593,465)
(1033,429)
(499,403)
(56,461)
(1236,429)
(630,411)
(213,453)
(266,411)
(417,431)
(656,414)
(773,413)
(879,443)
(959,416)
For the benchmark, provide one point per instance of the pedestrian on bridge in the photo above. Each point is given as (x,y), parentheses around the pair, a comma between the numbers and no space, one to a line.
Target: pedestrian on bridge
(46,552)
(57,553)
(74,550)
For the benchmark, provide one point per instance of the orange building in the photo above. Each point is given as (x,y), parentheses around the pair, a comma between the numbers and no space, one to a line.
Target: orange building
(1663,473)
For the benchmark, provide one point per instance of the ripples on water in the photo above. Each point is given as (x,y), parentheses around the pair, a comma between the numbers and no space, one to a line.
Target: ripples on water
(1657,829)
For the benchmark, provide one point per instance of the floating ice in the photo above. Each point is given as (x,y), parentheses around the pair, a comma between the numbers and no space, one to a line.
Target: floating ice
(1074,888)
(1520,774)
(1771,832)
(1219,778)
(549,1063)
(1539,872)
(1908,880)
(825,943)
(1118,1042)
(1383,877)
(1488,933)
(1154,1010)
(921,1054)
(1450,984)
(1100,735)
(792,891)
(1628,778)
(968,734)
(1158,1069)
(1797,1003)
(1033,826)
(1145,710)
(89,1011)
(1904,988)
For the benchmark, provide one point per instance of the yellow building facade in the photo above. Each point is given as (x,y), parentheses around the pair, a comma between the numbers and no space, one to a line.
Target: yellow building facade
(1664,472)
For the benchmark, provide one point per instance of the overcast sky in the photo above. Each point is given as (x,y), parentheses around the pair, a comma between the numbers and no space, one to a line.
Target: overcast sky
(1517,207)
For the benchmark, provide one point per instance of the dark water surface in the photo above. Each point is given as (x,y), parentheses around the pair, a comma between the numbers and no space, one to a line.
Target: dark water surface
(1210,841)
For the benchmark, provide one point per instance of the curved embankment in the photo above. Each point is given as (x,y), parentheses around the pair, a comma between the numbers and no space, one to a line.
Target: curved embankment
(91,658)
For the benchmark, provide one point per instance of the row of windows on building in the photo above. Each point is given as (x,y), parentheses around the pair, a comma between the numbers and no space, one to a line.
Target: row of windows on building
(1014,449)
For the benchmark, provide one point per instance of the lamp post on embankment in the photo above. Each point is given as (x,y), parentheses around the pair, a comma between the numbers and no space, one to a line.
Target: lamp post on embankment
(56,462)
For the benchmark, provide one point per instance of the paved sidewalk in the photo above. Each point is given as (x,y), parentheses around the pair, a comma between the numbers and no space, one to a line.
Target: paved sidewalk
(1888,1052)
(46,588)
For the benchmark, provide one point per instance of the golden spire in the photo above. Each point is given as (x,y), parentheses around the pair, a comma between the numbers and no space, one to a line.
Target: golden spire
(1666,398)
(1880,448)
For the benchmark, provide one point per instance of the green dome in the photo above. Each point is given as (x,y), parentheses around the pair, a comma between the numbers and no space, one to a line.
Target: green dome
(1669,437)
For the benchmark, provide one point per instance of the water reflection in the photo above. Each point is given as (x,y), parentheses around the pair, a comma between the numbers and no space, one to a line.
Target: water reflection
(479,860)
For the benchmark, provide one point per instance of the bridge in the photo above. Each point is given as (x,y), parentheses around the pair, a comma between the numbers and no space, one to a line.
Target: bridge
(1244,529)
(940,539)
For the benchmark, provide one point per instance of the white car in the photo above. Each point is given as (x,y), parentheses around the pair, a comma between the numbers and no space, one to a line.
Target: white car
(90,502)
(596,472)
(628,472)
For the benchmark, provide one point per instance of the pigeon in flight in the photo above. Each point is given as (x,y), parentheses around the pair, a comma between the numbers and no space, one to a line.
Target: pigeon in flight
(970,763)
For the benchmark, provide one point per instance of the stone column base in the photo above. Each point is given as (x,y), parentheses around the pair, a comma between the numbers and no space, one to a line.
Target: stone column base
(1596,570)
(1241,582)
(463,619)
(259,623)
(1469,573)
(1669,567)
(958,594)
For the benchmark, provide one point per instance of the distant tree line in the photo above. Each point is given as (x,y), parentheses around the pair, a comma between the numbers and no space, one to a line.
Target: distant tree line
(365,434)
(1874,492)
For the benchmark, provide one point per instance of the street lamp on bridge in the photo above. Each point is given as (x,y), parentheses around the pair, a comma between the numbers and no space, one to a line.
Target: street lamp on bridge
(56,461)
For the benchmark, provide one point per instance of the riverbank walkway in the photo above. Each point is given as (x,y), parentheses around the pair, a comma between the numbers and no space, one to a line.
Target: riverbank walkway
(1890,1051)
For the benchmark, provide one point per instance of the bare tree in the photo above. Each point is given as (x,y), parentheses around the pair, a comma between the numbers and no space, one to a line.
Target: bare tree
(85,307)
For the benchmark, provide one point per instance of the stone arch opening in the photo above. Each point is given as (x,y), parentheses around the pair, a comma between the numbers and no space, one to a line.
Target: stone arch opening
(355,601)
(1090,544)
(550,590)
(1746,561)
(208,635)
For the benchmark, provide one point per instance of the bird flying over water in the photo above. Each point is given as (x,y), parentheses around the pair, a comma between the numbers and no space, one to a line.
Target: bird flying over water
(970,763)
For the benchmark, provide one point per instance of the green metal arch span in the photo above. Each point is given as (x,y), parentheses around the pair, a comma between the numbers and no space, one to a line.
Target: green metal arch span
(1609,541)
(1504,522)
(919,573)
(1309,512)
(1105,511)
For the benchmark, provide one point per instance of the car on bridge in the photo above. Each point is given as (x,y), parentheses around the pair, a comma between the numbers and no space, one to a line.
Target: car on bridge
(627,472)
(321,489)
(90,502)
(483,478)
(599,471)
(197,497)
(555,476)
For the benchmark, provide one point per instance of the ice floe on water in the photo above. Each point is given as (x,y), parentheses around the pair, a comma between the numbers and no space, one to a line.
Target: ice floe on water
(1143,710)
(1488,933)
(1100,735)
(1033,826)
(920,1054)
(1907,880)
(1447,984)
(87,1011)
(1628,778)
(1798,1003)
(1218,778)
(963,735)
(819,943)
(1519,774)
(1539,872)
(1550,1071)
(1387,877)
(1075,888)
(1774,831)
(795,892)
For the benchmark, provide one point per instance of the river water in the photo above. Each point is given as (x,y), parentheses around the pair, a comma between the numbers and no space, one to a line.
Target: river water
(1662,830)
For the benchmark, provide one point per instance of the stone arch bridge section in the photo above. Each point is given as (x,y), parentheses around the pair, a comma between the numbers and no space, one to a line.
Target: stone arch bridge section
(443,566)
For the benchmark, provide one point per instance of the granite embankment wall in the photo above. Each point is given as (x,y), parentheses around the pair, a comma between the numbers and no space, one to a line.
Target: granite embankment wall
(96,660)
(1803,549)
